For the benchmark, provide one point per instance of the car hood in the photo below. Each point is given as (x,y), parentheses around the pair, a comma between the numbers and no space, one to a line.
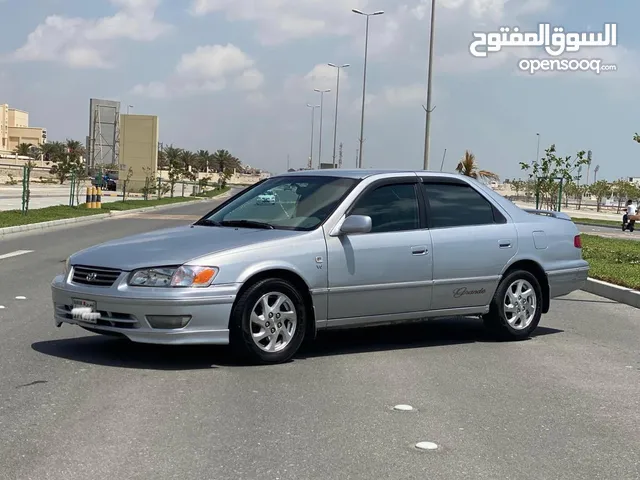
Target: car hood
(173,246)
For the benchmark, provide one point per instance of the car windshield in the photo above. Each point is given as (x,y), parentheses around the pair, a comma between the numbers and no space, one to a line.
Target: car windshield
(300,203)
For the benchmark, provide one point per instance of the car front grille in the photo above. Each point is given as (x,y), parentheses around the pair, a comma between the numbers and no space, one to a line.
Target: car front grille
(96,276)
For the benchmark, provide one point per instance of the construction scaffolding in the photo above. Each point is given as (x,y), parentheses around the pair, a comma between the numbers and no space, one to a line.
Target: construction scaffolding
(104,132)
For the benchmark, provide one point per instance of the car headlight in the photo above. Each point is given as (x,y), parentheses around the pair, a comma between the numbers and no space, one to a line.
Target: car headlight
(185,276)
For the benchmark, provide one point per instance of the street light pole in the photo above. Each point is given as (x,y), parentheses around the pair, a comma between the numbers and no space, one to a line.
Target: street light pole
(321,92)
(427,126)
(364,76)
(313,116)
(335,121)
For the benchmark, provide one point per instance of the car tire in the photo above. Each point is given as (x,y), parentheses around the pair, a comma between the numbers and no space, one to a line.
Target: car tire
(512,317)
(249,320)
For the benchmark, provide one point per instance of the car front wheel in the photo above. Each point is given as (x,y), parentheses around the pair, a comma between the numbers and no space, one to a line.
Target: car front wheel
(268,322)
(516,307)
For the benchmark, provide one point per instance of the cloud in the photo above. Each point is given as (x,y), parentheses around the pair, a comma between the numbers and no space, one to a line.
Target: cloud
(322,77)
(209,68)
(285,20)
(86,43)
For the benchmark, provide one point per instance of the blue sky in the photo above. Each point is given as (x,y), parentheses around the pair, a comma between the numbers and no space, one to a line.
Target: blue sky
(237,74)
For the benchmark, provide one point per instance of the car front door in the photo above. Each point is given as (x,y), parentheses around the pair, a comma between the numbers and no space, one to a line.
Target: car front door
(387,271)
(472,242)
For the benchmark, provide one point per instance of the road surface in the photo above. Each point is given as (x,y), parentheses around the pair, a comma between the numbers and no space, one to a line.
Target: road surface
(77,406)
(611,232)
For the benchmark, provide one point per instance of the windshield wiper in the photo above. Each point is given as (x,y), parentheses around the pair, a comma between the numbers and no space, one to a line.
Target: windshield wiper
(247,224)
(208,223)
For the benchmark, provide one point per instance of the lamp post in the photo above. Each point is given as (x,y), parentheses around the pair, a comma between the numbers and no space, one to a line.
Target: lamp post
(427,126)
(321,92)
(535,164)
(313,116)
(335,121)
(364,76)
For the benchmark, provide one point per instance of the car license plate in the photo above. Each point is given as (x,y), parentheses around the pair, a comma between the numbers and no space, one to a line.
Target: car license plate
(87,306)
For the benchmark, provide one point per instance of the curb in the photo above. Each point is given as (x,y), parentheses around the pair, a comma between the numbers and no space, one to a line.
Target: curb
(619,294)
(92,218)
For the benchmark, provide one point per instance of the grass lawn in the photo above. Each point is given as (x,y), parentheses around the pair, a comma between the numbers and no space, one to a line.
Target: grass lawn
(612,260)
(597,221)
(214,193)
(12,218)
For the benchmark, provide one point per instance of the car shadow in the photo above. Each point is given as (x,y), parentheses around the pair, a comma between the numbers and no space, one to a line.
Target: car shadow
(121,353)
(432,333)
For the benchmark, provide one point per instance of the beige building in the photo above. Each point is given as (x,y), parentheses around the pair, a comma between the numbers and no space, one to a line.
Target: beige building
(138,149)
(15,129)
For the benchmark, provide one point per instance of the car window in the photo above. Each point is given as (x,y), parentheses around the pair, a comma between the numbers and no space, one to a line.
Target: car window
(392,208)
(301,202)
(455,205)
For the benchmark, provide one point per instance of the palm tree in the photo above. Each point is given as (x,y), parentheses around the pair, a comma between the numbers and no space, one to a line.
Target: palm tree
(23,149)
(202,161)
(469,167)
(222,160)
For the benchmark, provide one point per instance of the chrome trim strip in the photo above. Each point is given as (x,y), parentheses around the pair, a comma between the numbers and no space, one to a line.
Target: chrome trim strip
(451,281)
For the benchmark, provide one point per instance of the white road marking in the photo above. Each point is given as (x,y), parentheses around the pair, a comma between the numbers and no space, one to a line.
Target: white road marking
(17,253)
(1,307)
(426,446)
(21,298)
(403,408)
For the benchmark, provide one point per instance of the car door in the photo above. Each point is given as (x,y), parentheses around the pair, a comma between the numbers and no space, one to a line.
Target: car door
(472,242)
(388,270)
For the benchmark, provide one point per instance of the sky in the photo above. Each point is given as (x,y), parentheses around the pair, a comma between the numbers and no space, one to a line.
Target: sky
(238,75)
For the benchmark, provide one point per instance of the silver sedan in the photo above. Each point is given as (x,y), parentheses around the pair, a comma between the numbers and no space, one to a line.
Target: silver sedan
(339,249)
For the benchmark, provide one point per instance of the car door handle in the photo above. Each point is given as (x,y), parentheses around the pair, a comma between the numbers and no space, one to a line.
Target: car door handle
(421,250)
(505,243)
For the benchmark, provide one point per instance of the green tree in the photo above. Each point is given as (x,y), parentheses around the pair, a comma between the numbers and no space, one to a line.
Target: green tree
(24,149)
(468,167)
(202,161)
(223,160)
(621,190)
(163,163)
(518,186)
(600,189)
(636,138)
(67,159)
(176,166)
(548,170)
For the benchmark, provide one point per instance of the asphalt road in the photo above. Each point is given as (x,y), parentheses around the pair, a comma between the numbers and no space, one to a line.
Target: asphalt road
(610,232)
(77,406)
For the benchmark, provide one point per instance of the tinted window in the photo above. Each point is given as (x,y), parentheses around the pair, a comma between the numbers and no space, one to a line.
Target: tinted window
(301,202)
(456,206)
(391,208)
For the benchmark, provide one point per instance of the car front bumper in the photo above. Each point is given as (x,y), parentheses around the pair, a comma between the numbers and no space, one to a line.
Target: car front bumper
(126,313)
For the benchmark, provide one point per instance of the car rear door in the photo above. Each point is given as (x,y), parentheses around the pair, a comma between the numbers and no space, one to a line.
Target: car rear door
(472,242)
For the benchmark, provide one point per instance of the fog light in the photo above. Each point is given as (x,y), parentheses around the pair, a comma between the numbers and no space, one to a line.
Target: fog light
(168,322)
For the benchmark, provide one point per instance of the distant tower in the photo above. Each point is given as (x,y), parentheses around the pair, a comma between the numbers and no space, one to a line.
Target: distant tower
(340,156)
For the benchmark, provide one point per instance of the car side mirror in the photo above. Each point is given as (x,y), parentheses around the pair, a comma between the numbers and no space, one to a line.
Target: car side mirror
(356,224)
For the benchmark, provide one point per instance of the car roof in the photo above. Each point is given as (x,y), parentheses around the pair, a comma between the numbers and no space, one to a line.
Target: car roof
(363,173)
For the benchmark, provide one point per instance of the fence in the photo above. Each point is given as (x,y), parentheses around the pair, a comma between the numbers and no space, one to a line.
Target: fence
(35,192)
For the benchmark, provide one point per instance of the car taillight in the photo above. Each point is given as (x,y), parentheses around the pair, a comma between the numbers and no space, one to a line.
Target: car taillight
(577,241)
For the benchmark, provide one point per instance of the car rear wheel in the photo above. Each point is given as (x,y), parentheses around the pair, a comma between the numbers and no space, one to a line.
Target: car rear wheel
(268,322)
(516,307)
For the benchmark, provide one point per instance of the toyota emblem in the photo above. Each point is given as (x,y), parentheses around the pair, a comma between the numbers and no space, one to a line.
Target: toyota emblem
(92,276)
